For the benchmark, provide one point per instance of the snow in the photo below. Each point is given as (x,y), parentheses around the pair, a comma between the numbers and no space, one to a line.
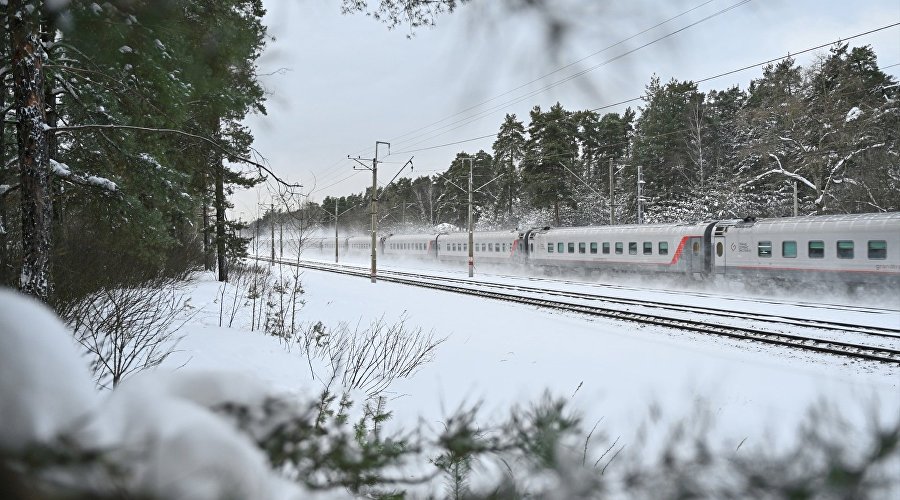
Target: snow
(159,427)
(639,381)
(60,169)
(126,49)
(45,387)
(4,188)
(96,8)
(853,114)
(167,421)
(102,182)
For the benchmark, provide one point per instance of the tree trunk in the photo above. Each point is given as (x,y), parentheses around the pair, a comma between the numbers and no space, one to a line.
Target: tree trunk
(220,220)
(207,243)
(28,89)
(5,265)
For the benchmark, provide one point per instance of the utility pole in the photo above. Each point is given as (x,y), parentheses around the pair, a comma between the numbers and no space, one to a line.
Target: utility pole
(612,194)
(471,234)
(471,192)
(640,196)
(374,169)
(335,231)
(272,227)
(281,238)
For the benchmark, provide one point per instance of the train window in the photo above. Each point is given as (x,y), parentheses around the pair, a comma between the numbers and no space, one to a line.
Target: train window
(664,248)
(606,247)
(531,247)
(764,249)
(816,249)
(549,247)
(720,249)
(465,247)
(648,248)
(497,247)
(845,249)
(582,247)
(490,247)
(632,248)
(593,247)
(571,247)
(877,249)
(619,247)
(789,249)
(561,247)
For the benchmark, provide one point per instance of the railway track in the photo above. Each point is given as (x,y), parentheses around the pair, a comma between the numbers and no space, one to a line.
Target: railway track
(501,292)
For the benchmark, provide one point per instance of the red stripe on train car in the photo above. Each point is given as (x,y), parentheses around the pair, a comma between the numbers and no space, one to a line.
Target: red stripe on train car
(680,249)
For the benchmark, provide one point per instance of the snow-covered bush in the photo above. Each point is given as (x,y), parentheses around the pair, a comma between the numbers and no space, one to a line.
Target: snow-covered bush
(154,436)
(368,359)
(128,329)
(274,295)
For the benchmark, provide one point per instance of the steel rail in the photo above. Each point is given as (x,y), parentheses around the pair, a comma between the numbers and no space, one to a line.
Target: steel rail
(834,347)
(893,333)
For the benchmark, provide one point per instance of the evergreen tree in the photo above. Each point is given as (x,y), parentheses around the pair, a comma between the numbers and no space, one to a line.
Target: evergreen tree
(509,150)
(551,151)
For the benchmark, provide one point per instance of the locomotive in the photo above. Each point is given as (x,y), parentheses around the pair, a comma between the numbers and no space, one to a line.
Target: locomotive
(856,249)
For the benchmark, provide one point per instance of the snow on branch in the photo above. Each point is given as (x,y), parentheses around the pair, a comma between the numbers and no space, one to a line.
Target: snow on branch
(212,142)
(63,171)
(782,171)
(853,114)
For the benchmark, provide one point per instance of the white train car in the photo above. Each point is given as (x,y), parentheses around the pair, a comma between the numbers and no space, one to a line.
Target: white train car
(415,246)
(855,249)
(490,247)
(651,248)
(359,245)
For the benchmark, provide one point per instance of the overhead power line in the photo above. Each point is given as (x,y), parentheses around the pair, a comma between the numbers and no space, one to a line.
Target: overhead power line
(702,80)
(481,114)
(332,171)
(555,71)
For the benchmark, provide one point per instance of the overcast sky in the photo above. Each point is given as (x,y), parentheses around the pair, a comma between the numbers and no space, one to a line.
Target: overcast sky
(338,82)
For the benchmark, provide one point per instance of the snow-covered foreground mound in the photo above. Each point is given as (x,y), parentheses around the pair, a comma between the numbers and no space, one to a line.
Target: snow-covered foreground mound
(158,428)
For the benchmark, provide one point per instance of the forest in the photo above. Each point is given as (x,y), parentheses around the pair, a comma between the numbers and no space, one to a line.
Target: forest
(828,130)
(119,122)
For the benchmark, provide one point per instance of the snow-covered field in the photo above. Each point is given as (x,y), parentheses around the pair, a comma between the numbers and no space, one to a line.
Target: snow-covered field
(502,354)
(632,384)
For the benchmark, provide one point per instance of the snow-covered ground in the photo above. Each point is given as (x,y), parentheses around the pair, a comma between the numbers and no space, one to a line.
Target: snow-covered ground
(635,382)
(502,354)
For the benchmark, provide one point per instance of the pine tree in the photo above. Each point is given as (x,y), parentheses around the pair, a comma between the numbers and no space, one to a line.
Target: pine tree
(509,150)
(551,152)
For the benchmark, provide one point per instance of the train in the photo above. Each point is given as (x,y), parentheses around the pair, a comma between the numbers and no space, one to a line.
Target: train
(859,249)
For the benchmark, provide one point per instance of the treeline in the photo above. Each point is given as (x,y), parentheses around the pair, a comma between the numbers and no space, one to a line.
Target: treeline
(831,129)
(119,120)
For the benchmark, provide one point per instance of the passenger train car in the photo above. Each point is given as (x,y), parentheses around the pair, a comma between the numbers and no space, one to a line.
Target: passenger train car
(854,249)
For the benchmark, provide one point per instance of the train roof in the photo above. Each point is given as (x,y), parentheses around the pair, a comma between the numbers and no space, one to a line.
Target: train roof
(403,238)
(882,219)
(693,228)
(481,235)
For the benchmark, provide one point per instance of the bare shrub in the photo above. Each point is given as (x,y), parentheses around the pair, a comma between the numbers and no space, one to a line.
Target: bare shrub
(126,330)
(273,298)
(371,359)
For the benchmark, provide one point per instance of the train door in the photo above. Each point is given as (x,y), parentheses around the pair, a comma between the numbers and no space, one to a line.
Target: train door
(719,253)
(695,251)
